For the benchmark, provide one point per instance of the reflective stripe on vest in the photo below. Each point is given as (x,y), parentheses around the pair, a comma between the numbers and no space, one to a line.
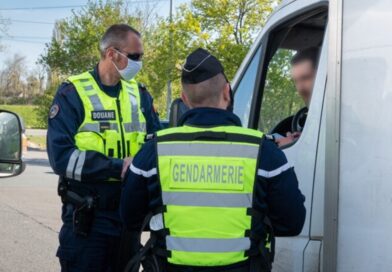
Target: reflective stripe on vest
(102,130)
(207,245)
(207,199)
(95,127)
(94,99)
(207,188)
(207,149)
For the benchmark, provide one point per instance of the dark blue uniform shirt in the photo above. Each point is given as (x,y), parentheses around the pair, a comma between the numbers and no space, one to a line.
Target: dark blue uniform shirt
(276,188)
(63,124)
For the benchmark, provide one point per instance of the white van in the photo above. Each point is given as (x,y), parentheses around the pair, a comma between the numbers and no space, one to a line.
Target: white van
(343,158)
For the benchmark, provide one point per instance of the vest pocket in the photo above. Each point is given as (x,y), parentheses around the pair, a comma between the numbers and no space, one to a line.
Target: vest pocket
(112,148)
(134,144)
(89,140)
(136,141)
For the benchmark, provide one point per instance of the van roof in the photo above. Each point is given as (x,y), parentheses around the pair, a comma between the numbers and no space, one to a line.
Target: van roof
(284,3)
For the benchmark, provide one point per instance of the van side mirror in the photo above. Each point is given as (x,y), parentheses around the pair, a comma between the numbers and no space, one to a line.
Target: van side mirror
(177,110)
(11,163)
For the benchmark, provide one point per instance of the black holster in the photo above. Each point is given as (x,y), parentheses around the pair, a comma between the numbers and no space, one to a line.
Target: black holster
(83,215)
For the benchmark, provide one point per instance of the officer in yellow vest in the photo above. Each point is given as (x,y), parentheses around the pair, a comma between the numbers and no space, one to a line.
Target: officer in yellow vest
(213,193)
(97,123)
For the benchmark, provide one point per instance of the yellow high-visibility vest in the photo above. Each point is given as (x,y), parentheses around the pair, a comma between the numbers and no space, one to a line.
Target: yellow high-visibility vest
(207,178)
(115,127)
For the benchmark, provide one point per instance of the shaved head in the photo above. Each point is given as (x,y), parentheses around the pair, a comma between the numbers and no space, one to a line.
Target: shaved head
(116,36)
(208,93)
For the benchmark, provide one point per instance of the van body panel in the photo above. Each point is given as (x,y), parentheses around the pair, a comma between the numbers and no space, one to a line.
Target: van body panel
(365,187)
(342,160)
(312,259)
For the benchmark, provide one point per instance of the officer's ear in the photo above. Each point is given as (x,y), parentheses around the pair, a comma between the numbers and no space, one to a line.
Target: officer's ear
(185,99)
(110,53)
(226,94)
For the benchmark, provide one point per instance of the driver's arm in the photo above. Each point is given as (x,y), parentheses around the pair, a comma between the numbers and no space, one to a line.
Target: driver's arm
(297,125)
(290,138)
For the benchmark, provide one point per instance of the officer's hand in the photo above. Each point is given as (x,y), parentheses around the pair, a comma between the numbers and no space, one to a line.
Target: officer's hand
(290,137)
(127,162)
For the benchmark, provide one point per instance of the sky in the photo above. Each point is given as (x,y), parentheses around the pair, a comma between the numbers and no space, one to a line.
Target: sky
(31,23)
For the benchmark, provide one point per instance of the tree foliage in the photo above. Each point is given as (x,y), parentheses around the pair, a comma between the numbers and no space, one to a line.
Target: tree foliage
(45,101)
(74,45)
(226,28)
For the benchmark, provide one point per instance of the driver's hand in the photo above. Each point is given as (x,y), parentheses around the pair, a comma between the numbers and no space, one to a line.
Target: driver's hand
(290,137)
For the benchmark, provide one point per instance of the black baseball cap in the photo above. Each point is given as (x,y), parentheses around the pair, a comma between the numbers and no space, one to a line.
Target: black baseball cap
(199,66)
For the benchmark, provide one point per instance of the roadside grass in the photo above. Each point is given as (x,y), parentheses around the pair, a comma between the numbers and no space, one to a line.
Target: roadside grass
(26,112)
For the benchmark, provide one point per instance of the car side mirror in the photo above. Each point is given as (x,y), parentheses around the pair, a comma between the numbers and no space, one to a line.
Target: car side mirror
(177,110)
(11,163)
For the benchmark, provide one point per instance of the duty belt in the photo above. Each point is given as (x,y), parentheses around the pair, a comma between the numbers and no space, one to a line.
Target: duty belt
(109,203)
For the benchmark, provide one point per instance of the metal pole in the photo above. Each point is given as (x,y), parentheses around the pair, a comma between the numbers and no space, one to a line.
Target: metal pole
(169,90)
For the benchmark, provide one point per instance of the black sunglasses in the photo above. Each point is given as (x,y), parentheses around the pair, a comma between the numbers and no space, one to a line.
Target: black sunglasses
(133,56)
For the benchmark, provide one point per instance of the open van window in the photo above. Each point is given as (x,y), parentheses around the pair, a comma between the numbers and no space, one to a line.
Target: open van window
(289,72)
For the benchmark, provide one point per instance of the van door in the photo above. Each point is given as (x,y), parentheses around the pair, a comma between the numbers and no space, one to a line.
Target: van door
(266,99)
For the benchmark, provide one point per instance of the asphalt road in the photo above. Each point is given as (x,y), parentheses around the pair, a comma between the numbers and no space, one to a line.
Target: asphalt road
(30,218)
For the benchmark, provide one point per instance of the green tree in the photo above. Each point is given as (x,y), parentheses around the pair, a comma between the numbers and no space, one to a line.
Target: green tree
(45,101)
(226,28)
(74,45)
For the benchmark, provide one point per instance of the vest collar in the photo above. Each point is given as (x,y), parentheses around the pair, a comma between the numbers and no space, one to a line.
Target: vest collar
(206,117)
(112,91)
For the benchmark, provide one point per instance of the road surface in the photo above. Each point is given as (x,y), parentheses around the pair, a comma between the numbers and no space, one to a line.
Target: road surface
(29,218)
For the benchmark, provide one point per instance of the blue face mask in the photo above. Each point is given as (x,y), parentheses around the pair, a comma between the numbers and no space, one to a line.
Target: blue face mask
(130,71)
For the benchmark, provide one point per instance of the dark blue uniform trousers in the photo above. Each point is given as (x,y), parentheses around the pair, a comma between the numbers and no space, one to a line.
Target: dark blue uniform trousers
(96,253)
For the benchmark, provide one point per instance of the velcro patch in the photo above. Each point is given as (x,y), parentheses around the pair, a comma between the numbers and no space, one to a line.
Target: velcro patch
(104,126)
(103,115)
